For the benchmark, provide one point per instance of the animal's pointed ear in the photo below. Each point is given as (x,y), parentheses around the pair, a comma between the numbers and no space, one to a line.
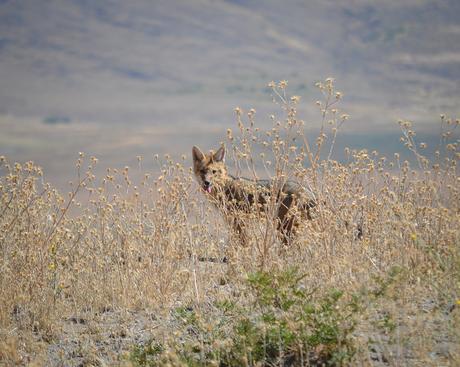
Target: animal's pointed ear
(197,154)
(219,156)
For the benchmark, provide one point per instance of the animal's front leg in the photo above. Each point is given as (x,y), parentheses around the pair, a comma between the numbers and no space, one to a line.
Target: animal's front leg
(240,231)
(286,219)
(286,227)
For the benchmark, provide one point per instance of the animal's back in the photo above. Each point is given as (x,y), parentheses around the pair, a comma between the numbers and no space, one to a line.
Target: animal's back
(289,187)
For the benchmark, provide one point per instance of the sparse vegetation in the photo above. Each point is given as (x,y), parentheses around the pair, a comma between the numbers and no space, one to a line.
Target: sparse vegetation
(281,324)
(373,278)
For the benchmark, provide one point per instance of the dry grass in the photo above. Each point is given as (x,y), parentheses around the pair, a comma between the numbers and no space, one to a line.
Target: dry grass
(115,244)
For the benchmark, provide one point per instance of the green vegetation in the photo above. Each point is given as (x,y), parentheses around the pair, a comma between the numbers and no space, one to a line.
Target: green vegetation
(283,323)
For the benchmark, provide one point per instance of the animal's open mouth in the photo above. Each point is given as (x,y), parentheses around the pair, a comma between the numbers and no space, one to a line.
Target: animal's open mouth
(207,187)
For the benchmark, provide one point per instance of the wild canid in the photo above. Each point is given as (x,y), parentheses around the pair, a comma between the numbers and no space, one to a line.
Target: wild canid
(236,196)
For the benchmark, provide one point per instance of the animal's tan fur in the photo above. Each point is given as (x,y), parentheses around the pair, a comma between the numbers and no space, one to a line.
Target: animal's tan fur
(236,197)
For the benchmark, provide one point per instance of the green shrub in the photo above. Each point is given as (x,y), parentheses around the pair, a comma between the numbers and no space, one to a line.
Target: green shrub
(281,323)
(146,355)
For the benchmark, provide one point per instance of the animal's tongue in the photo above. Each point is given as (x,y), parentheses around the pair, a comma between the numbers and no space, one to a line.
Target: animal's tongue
(208,189)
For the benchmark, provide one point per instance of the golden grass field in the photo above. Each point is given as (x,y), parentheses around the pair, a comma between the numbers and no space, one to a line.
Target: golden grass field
(129,271)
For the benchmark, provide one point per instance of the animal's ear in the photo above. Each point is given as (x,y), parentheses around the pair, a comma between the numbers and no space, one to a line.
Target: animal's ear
(219,156)
(197,154)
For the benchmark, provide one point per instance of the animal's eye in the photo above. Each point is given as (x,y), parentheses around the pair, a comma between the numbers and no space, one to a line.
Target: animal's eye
(214,171)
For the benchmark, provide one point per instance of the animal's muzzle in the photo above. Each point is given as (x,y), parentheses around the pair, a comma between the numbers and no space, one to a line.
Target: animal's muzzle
(207,186)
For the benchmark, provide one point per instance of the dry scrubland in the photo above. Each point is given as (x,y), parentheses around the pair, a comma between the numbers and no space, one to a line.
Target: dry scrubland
(119,272)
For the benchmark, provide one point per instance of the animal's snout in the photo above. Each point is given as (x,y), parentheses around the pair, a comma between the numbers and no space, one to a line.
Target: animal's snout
(207,186)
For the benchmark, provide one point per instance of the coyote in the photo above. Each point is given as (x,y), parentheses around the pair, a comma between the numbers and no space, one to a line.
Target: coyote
(237,196)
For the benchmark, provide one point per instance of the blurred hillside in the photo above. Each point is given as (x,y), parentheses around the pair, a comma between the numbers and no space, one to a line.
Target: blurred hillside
(117,79)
